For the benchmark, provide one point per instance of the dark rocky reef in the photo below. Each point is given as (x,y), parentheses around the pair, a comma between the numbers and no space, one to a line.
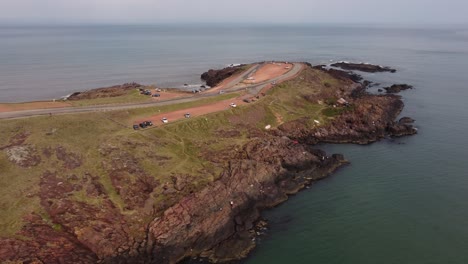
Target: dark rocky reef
(214,77)
(341,75)
(396,88)
(364,67)
(113,91)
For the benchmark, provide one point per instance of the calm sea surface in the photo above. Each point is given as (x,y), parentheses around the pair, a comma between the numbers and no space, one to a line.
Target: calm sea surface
(401,201)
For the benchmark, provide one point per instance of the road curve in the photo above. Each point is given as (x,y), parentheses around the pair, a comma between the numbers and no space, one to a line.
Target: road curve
(297,67)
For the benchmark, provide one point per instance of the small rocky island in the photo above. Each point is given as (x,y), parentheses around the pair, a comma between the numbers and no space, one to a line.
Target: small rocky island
(192,189)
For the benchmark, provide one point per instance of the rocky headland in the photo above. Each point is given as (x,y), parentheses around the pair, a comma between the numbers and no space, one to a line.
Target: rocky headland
(130,216)
(214,77)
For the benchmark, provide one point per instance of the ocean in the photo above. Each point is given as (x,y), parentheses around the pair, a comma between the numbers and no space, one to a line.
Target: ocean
(400,201)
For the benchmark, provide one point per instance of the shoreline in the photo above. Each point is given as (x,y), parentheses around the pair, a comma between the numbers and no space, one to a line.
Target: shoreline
(217,221)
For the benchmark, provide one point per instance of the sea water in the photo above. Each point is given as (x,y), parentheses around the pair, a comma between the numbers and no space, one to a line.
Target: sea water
(400,201)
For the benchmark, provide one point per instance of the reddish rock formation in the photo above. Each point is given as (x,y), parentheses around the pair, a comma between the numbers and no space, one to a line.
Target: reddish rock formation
(214,77)
(216,221)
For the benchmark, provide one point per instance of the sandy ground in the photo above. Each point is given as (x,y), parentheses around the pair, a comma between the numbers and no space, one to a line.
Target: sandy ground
(194,111)
(269,71)
(31,106)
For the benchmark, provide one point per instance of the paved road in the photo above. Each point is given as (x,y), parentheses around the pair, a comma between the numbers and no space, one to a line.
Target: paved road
(297,67)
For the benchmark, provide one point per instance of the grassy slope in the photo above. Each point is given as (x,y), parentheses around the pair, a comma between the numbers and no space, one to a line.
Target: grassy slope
(133,96)
(175,148)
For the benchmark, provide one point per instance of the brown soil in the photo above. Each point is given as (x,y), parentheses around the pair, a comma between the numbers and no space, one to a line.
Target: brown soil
(31,106)
(194,111)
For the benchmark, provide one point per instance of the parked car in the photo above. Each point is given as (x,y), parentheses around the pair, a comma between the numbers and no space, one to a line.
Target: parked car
(136,127)
(233,105)
(187,115)
(156,95)
(148,123)
(164,120)
(142,125)
(246,100)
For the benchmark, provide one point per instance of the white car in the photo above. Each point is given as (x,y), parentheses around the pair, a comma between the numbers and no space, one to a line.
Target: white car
(164,120)
(233,105)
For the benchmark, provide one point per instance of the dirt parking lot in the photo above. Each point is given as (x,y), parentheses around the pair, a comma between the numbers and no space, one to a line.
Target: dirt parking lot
(269,71)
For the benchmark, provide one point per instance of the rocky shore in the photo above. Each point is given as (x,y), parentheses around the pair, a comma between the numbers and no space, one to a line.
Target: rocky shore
(396,88)
(215,222)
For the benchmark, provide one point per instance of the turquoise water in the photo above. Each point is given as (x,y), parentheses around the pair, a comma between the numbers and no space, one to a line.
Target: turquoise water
(400,201)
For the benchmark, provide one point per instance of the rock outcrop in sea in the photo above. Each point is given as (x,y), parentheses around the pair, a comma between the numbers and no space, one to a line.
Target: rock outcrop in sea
(364,67)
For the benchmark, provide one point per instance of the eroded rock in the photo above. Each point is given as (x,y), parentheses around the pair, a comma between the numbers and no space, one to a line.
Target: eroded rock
(23,155)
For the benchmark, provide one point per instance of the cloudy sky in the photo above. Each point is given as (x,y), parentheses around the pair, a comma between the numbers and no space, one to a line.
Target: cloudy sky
(261,11)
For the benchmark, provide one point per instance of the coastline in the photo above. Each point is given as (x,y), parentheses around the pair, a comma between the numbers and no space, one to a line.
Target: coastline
(268,168)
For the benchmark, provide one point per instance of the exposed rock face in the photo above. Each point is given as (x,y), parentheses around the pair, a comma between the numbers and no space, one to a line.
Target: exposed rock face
(24,155)
(406,120)
(364,67)
(216,221)
(371,119)
(396,88)
(214,77)
(113,91)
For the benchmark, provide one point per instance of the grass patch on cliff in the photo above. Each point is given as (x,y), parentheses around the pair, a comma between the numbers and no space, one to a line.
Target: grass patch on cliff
(133,96)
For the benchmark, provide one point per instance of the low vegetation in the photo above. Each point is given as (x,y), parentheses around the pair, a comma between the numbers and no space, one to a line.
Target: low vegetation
(101,143)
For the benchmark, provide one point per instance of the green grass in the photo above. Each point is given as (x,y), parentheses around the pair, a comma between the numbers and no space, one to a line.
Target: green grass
(133,96)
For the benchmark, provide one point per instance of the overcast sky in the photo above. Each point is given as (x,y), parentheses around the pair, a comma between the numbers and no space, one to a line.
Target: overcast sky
(262,11)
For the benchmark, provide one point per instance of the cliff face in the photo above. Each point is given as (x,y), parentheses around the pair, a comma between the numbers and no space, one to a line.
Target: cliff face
(217,221)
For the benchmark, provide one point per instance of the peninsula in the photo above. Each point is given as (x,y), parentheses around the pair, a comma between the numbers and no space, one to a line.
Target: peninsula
(83,181)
